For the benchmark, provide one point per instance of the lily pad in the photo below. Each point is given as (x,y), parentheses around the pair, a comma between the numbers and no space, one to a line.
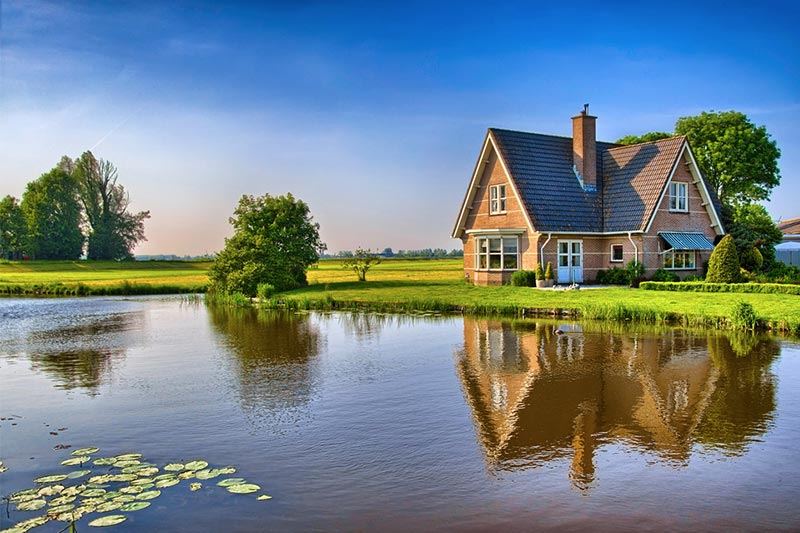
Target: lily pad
(196,465)
(50,479)
(189,474)
(109,520)
(101,479)
(72,516)
(108,506)
(142,481)
(111,494)
(227,470)
(97,500)
(125,464)
(85,451)
(264,497)
(123,477)
(61,500)
(132,489)
(164,483)
(164,476)
(243,488)
(124,498)
(195,486)
(231,481)
(149,495)
(134,506)
(93,493)
(207,473)
(128,456)
(74,461)
(147,472)
(58,509)
(78,473)
(51,490)
(31,505)
(174,467)
(105,461)
(73,491)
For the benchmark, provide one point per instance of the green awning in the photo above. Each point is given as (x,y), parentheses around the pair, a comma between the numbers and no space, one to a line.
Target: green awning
(686,241)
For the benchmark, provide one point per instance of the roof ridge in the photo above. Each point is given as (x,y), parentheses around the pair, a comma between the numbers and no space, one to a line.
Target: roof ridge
(542,134)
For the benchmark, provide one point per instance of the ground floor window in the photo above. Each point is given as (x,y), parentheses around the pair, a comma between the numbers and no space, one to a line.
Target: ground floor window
(682,260)
(616,253)
(497,253)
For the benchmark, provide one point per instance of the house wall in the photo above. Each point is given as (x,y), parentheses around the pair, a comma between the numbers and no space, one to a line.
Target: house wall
(596,252)
(696,219)
(480,219)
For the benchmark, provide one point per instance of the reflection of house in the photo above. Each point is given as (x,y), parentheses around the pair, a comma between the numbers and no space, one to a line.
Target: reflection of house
(584,205)
(537,396)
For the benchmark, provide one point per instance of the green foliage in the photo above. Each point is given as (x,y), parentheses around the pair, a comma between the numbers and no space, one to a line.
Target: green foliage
(647,137)
(739,159)
(664,275)
(53,216)
(744,316)
(13,230)
(113,231)
(751,260)
(265,291)
(751,227)
(613,276)
(635,270)
(723,266)
(523,278)
(361,262)
(699,286)
(548,272)
(539,272)
(275,240)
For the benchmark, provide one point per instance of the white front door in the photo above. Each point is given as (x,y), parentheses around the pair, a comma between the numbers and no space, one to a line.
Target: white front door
(570,261)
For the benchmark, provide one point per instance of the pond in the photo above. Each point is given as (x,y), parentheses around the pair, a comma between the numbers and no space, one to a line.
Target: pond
(368,421)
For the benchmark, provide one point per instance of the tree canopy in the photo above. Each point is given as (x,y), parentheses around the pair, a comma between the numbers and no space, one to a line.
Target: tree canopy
(12,228)
(275,240)
(113,231)
(645,138)
(751,227)
(52,213)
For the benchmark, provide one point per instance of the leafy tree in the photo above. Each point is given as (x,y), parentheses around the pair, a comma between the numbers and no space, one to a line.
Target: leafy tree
(739,158)
(52,213)
(13,231)
(723,266)
(113,231)
(751,260)
(361,262)
(751,226)
(275,240)
(647,137)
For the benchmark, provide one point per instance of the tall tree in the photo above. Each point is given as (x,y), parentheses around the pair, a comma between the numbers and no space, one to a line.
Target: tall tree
(52,213)
(113,231)
(13,230)
(738,158)
(275,240)
(647,137)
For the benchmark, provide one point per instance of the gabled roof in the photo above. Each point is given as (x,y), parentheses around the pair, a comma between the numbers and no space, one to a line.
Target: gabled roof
(631,181)
(790,226)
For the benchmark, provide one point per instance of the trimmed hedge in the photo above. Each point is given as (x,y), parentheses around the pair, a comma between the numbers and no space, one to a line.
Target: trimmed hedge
(524,278)
(699,286)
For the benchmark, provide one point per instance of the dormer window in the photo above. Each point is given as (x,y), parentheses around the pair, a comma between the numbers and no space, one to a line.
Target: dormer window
(497,199)
(679,197)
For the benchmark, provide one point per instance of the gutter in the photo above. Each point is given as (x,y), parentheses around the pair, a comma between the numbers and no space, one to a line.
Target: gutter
(635,248)
(541,250)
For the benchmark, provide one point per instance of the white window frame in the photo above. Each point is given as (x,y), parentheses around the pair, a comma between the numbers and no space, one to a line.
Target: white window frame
(621,248)
(679,197)
(487,254)
(668,262)
(497,199)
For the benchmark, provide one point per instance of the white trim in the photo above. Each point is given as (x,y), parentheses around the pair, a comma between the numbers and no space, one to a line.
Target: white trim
(488,255)
(512,182)
(622,247)
(594,233)
(501,200)
(677,185)
(496,231)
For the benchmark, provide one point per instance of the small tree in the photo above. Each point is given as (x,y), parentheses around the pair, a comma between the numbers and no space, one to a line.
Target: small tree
(751,260)
(723,266)
(361,262)
(539,271)
(635,271)
(548,271)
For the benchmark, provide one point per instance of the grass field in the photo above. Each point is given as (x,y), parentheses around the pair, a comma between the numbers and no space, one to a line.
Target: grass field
(406,285)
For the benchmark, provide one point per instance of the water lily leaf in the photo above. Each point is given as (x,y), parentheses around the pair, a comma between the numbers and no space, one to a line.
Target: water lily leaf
(110,520)
(231,481)
(61,500)
(126,464)
(243,488)
(174,467)
(101,479)
(227,470)
(111,494)
(50,479)
(124,498)
(108,506)
(85,451)
(74,461)
(133,469)
(105,461)
(164,483)
(31,505)
(91,493)
(93,502)
(31,523)
(189,474)
(196,465)
(264,497)
(149,495)
(147,471)
(195,486)
(123,477)
(134,506)
(207,474)
(132,489)
(164,476)
(78,473)
(58,509)
(51,490)
(128,456)
(142,481)
(72,516)
(73,491)
(25,495)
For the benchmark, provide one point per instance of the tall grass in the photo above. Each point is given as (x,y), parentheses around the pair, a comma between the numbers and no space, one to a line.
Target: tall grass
(121,288)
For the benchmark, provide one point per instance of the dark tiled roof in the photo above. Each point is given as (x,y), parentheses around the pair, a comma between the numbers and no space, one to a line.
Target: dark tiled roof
(630,181)
(790,227)
(541,166)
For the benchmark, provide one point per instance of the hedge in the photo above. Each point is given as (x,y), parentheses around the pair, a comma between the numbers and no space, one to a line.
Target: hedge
(699,286)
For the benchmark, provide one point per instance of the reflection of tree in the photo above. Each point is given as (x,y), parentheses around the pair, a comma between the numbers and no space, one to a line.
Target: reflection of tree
(274,353)
(82,356)
(537,396)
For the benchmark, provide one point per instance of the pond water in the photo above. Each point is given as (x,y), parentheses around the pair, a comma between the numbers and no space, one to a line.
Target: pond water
(364,421)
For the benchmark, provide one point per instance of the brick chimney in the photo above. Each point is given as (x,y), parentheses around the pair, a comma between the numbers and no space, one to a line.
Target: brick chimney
(584,146)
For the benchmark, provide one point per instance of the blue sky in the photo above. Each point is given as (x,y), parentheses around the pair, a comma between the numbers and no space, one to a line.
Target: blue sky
(373,113)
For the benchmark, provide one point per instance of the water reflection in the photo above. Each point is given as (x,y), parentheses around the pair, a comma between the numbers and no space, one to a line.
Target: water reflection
(538,395)
(274,362)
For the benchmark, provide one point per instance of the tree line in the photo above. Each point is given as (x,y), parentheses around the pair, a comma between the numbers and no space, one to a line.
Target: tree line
(76,208)
(424,253)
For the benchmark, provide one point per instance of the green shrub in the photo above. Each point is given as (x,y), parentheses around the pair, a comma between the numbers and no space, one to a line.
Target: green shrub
(744,288)
(744,316)
(539,271)
(723,266)
(523,278)
(548,272)
(693,277)
(665,275)
(613,276)
(264,291)
(751,259)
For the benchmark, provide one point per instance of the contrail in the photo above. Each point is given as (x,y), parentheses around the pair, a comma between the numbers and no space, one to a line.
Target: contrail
(115,128)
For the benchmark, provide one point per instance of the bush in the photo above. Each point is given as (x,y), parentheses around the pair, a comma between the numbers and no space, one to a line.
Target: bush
(745,288)
(613,276)
(744,316)
(665,275)
(548,272)
(539,271)
(264,291)
(751,259)
(723,266)
(523,278)
(635,271)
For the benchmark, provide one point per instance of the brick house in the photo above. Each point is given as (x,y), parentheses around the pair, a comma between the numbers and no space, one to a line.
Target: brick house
(585,206)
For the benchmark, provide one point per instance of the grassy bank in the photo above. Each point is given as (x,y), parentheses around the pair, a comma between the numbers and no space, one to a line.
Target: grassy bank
(84,278)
